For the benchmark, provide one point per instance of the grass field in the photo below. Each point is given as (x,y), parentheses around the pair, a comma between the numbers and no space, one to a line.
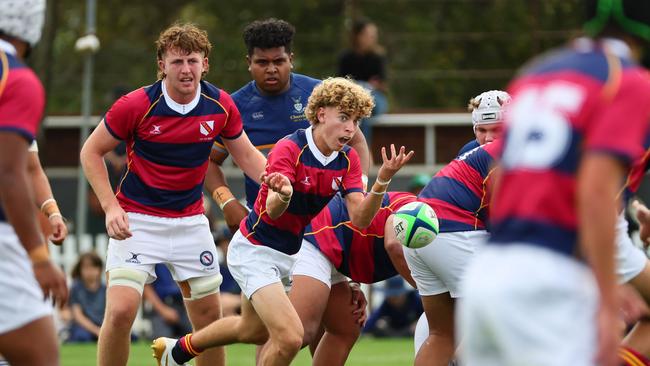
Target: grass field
(367,352)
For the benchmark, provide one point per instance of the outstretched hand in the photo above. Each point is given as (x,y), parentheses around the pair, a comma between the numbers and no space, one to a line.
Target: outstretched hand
(279,183)
(391,165)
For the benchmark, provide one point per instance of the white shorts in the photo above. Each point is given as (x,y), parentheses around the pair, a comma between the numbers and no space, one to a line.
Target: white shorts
(256,266)
(440,266)
(313,263)
(185,244)
(21,298)
(526,305)
(630,260)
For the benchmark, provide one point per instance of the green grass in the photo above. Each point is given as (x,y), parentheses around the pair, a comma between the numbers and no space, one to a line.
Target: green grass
(367,352)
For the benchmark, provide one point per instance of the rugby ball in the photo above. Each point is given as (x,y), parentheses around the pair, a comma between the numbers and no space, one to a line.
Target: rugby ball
(415,224)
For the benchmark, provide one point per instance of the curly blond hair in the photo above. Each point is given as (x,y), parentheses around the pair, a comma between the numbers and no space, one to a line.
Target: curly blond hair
(341,93)
(187,38)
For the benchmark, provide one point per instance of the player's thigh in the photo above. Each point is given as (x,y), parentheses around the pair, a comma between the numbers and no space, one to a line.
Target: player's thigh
(33,344)
(338,317)
(309,297)
(439,310)
(273,307)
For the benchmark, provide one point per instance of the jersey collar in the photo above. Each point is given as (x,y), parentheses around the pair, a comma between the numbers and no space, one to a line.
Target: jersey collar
(314,149)
(181,108)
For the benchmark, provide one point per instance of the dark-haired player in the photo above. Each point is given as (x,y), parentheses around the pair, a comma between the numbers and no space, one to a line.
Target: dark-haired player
(334,250)
(271,106)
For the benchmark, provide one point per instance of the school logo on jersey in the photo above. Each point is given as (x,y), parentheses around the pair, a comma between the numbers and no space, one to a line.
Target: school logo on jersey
(337,182)
(206,127)
(258,115)
(297,104)
(206,258)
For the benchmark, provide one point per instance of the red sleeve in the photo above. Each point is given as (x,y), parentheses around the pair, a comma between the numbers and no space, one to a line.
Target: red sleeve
(124,115)
(234,125)
(22,103)
(352,178)
(620,126)
(283,158)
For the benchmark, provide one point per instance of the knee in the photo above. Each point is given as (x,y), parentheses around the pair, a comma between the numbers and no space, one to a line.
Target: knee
(120,316)
(289,341)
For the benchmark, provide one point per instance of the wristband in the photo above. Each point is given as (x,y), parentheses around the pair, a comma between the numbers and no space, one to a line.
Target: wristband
(56,214)
(39,254)
(381,182)
(49,207)
(222,196)
(378,188)
(377,193)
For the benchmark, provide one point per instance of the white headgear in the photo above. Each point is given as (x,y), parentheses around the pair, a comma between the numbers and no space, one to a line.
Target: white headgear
(22,19)
(490,108)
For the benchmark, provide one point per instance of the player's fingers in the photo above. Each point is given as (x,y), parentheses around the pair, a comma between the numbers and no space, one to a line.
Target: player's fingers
(384,158)
(408,157)
(123,224)
(393,153)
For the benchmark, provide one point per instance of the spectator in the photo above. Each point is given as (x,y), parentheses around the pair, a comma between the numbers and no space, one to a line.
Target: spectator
(398,313)
(365,62)
(87,298)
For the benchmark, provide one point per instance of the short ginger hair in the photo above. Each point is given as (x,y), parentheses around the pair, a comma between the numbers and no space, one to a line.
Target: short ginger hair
(186,38)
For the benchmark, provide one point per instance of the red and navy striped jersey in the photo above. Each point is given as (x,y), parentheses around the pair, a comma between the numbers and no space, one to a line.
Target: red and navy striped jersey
(357,253)
(314,180)
(460,191)
(168,152)
(22,98)
(586,98)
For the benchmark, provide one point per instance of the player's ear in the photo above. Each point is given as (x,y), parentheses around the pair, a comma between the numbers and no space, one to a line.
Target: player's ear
(206,66)
(248,61)
(291,59)
(320,115)
(161,68)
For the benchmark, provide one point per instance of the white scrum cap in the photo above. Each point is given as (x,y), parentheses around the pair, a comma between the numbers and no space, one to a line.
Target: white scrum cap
(22,19)
(490,107)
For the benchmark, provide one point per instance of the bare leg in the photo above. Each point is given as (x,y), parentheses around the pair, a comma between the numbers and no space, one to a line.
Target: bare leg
(438,349)
(244,328)
(122,304)
(341,328)
(203,312)
(34,344)
(309,297)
